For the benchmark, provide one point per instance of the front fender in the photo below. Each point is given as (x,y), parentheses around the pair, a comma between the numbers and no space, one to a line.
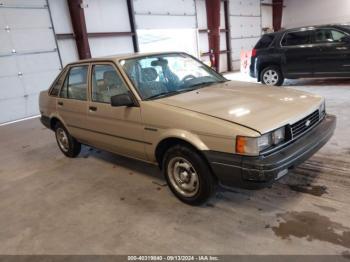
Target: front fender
(190,138)
(183,135)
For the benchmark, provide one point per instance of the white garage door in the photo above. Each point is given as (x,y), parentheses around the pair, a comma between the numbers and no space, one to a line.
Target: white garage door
(29,60)
(245,21)
(169,25)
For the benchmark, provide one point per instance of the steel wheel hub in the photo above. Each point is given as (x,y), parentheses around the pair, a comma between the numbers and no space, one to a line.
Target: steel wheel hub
(62,139)
(183,177)
(270,77)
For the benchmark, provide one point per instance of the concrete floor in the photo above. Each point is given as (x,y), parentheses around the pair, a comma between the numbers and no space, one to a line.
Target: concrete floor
(101,203)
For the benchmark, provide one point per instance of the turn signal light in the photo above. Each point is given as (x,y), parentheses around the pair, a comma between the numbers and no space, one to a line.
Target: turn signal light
(240,144)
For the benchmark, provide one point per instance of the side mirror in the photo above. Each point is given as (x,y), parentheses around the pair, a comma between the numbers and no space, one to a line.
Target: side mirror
(122,100)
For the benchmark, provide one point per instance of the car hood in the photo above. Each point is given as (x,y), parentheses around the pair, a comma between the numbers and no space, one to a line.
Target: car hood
(255,106)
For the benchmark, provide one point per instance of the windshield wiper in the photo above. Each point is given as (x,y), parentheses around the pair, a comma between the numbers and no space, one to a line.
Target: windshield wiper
(191,88)
(204,84)
(164,94)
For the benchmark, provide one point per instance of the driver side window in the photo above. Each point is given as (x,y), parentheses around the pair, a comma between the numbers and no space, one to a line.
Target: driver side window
(329,36)
(106,82)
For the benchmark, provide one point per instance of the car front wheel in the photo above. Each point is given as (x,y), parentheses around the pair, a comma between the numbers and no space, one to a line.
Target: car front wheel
(272,76)
(67,144)
(188,175)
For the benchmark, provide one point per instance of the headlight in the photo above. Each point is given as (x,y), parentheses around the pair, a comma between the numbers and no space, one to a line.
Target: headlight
(322,108)
(278,135)
(254,145)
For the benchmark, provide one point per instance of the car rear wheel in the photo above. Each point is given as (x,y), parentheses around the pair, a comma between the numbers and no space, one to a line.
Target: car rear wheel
(67,144)
(272,76)
(188,175)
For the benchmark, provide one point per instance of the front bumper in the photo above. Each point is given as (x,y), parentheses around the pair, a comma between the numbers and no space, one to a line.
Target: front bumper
(236,170)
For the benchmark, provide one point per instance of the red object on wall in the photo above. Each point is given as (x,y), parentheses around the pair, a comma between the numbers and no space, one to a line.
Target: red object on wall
(79,26)
(277,9)
(213,21)
(245,60)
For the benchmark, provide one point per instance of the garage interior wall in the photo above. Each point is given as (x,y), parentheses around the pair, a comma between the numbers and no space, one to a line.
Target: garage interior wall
(29,28)
(245,19)
(29,59)
(169,25)
(266,15)
(64,30)
(203,44)
(315,12)
(108,16)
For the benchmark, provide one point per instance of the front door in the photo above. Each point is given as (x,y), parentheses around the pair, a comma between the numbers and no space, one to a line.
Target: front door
(72,101)
(334,53)
(117,129)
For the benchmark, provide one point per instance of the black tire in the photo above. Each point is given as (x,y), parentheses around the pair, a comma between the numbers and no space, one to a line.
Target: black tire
(72,148)
(276,75)
(206,182)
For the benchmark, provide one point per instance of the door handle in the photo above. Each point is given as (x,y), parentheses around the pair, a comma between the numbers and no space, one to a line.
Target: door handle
(60,103)
(92,108)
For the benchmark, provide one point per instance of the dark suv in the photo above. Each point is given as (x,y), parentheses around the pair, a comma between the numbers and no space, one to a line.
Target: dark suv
(317,51)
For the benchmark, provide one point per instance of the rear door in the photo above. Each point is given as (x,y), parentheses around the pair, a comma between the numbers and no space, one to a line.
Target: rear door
(334,52)
(117,129)
(72,101)
(298,53)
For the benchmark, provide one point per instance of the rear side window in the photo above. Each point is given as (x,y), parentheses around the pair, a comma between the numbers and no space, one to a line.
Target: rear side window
(265,42)
(296,38)
(55,89)
(75,85)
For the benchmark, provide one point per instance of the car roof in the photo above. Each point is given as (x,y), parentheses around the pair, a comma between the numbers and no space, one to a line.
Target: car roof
(313,27)
(120,57)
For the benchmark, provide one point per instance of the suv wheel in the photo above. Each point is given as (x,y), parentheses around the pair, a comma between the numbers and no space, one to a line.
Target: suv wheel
(188,175)
(67,144)
(272,76)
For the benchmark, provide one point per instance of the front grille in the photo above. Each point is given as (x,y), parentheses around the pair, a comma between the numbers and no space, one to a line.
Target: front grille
(304,124)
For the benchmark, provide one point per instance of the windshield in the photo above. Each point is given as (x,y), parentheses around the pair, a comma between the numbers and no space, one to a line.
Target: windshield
(168,74)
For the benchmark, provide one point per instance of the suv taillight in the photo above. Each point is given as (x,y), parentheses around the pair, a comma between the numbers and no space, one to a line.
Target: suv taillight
(254,52)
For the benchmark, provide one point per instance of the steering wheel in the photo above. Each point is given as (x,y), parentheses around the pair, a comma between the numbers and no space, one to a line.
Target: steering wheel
(187,78)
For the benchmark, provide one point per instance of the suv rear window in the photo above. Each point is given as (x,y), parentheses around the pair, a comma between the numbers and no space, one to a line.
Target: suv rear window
(296,38)
(265,41)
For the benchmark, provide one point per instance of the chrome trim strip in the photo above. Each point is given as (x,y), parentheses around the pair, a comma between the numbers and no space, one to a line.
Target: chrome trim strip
(107,134)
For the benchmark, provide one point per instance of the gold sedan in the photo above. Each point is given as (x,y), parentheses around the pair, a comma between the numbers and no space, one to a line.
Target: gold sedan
(172,110)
